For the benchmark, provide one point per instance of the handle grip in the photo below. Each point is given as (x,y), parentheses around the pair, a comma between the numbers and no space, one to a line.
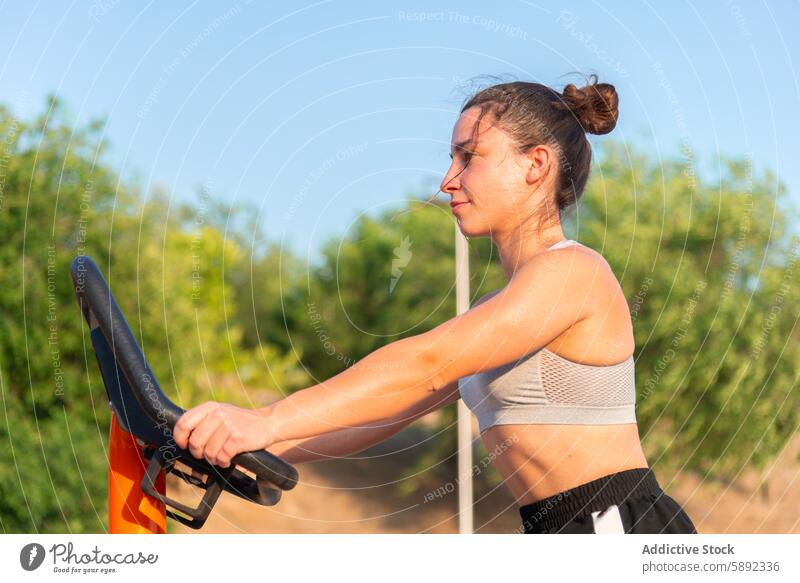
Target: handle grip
(101,310)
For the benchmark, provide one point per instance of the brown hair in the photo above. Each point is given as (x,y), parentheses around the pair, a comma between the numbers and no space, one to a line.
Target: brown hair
(534,114)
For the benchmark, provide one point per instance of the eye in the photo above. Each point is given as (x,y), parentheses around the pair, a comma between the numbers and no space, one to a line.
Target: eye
(464,154)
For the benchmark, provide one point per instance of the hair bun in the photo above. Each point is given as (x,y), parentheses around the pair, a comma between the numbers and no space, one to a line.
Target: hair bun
(595,105)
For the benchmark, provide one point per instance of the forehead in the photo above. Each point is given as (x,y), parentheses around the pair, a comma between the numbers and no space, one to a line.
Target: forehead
(464,130)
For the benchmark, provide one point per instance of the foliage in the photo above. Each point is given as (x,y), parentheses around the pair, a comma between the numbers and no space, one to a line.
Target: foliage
(709,269)
(53,472)
(59,199)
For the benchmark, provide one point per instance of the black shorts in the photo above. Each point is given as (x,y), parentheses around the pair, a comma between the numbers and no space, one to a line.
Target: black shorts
(628,502)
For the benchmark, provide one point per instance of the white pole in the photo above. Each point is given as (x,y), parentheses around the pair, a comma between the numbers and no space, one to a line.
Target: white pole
(464,415)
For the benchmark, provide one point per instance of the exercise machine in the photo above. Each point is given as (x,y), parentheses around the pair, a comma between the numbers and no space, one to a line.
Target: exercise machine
(141,448)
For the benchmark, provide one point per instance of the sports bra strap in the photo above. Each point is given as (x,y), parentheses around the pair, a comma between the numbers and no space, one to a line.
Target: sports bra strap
(562,243)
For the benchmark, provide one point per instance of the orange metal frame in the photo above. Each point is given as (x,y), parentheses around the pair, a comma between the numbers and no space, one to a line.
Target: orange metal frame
(130,511)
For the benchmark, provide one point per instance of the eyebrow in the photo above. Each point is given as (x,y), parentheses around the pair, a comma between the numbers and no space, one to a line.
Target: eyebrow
(462,146)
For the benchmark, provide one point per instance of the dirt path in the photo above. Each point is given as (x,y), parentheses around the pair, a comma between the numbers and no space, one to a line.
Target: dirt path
(747,506)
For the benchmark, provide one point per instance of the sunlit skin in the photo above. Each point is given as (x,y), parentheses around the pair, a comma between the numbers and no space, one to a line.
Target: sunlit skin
(567,300)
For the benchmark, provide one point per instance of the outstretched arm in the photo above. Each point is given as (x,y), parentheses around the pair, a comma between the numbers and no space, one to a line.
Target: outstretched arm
(547,296)
(382,386)
(355,439)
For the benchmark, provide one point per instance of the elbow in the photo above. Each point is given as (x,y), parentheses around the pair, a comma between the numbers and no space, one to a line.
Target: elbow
(431,367)
(423,365)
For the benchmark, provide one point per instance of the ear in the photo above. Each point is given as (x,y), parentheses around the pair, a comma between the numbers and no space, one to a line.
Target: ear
(539,160)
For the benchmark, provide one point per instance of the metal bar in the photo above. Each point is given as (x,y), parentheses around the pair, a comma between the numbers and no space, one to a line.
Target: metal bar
(465,519)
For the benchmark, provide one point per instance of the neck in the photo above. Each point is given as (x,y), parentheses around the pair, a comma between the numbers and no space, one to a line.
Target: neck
(517,248)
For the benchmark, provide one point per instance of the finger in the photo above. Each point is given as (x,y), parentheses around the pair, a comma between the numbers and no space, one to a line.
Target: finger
(229,451)
(198,439)
(214,448)
(187,422)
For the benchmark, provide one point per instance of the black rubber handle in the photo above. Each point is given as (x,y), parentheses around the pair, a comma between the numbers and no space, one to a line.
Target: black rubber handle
(101,309)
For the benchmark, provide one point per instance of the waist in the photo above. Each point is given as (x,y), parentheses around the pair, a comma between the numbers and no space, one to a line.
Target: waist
(537,461)
(559,509)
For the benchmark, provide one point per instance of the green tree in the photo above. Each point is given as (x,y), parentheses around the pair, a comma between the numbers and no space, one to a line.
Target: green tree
(58,199)
(709,270)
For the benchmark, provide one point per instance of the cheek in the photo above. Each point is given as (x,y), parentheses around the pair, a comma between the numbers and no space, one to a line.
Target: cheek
(483,183)
(477,180)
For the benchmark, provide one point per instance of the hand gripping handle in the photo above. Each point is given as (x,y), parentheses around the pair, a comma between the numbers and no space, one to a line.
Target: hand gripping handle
(101,310)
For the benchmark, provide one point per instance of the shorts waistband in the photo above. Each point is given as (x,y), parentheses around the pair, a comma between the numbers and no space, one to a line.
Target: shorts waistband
(559,509)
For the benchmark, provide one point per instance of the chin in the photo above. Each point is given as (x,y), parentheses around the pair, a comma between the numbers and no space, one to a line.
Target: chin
(473,231)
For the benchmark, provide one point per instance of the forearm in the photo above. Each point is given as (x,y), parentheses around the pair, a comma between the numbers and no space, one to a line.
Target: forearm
(384,384)
(347,441)
(336,443)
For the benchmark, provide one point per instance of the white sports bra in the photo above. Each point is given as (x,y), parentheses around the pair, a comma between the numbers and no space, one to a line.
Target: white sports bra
(544,388)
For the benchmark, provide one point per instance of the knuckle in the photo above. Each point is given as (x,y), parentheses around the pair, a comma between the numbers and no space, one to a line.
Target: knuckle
(195,447)
(225,457)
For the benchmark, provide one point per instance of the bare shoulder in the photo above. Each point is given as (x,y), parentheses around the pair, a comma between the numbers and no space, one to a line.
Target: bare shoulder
(584,279)
(606,332)
(581,262)
(575,264)
(579,269)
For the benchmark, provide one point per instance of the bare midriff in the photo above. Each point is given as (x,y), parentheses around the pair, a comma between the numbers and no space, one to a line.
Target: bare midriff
(538,461)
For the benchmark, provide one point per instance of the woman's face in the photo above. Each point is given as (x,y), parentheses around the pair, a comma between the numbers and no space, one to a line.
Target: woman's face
(494,183)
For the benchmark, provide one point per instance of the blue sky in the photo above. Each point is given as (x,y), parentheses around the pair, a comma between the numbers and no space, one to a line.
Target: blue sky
(317,112)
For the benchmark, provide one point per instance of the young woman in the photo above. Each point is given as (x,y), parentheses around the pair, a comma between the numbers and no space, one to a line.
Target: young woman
(547,360)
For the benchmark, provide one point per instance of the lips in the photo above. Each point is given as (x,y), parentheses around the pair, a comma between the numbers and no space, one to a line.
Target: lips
(457,204)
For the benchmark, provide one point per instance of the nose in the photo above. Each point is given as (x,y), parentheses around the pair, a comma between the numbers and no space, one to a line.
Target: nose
(451,183)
